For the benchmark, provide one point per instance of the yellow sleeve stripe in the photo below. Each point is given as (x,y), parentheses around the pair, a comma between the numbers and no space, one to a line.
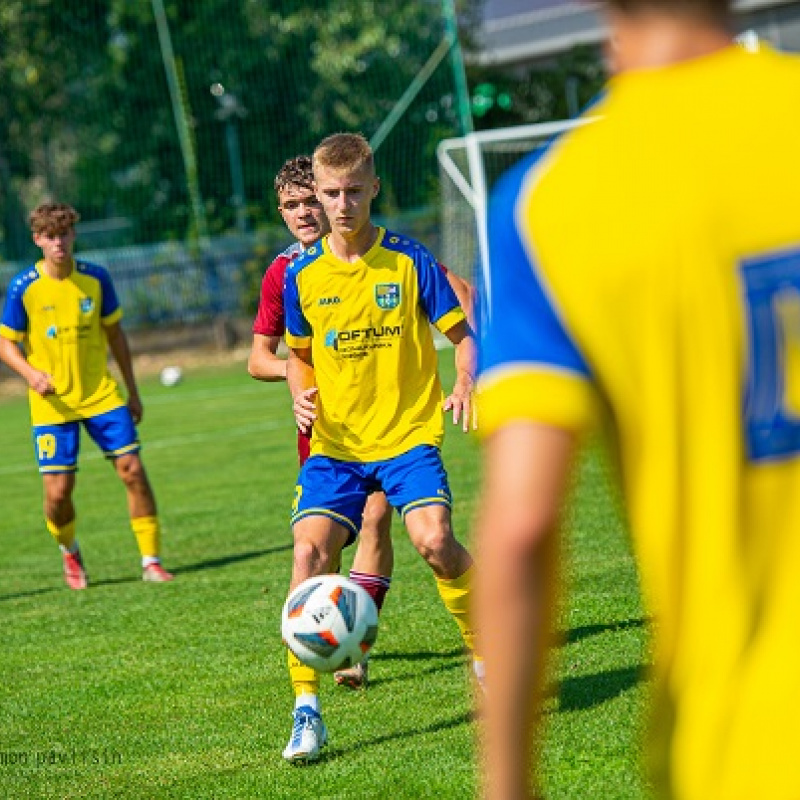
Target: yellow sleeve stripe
(10,333)
(114,316)
(297,342)
(533,393)
(451,318)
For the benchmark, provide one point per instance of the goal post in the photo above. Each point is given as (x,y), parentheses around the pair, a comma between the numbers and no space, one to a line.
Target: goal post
(469,167)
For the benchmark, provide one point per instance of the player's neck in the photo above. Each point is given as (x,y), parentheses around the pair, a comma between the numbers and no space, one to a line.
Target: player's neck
(649,41)
(353,246)
(58,269)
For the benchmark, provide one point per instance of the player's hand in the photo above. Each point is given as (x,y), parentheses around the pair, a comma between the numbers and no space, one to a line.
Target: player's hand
(41,383)
(305,409)
(136,408)
(462,403)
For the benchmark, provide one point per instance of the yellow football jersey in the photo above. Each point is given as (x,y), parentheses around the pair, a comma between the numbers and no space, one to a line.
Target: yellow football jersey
(60,325)
(368,326)
(646,268)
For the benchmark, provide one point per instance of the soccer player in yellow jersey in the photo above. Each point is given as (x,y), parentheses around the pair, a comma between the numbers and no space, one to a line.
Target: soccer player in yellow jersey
(645,272)
(64,313)
(363,375)
(302,212)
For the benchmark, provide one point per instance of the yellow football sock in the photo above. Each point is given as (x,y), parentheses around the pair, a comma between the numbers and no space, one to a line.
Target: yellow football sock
(63,534)
(456,595)
(304,679)
(148,536)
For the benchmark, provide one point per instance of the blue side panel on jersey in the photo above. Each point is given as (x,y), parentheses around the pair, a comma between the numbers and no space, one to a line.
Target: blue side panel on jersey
(14,314)
(110,303)
(773,431)
(519,324)
(436,295)
(296,322)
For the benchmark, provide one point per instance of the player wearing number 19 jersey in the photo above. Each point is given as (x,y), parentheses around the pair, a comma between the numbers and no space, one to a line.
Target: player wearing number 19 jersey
(65,315)
(646,271)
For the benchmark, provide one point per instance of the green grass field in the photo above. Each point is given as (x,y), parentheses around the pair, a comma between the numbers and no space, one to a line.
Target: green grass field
(133,690)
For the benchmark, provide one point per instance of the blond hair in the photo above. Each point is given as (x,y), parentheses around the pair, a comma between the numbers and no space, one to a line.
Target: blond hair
(343,152)
(52,218)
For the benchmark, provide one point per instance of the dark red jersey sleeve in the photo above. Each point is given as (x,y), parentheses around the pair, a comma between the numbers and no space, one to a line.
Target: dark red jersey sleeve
(270,318)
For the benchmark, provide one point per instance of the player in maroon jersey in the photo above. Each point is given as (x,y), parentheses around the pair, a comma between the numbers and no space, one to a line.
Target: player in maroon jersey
(306,221)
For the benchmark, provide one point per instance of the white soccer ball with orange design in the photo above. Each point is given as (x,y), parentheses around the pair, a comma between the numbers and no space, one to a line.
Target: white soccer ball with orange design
(329,623)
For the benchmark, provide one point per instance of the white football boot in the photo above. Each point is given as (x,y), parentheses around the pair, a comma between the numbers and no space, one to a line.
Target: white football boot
(308,735)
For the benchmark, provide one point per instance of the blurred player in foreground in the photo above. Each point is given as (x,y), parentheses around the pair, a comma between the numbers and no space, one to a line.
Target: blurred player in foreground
(66,315)
(302,212)
(363,376)
(646,272)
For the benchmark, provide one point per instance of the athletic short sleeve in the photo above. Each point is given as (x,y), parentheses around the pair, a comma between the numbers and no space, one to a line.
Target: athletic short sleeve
(530,367)
(270,319)
(298,329)
(110,309)
(14,321)
(437,297)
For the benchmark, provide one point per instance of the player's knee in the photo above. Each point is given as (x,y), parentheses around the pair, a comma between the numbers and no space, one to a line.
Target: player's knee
(131,471)
(434,542)
(58,491)
(311,557)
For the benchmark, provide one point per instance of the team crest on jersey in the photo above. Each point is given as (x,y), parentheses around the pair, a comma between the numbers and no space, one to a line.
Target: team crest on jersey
(86,305)
(387,295)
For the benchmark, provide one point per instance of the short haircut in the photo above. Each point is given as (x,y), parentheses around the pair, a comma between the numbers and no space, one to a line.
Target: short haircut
(717,11)
(53,218)
(295,172)
(344,152)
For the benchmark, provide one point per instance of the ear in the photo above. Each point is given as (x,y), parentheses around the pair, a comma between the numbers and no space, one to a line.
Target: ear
(376,187)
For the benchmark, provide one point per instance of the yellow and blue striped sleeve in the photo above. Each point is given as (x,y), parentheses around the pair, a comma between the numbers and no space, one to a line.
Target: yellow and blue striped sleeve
(110,309)
(14,322)
(530,367)
(298,329)
(436,294)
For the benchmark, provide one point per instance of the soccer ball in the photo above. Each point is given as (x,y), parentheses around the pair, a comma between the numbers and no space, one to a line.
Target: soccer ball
(329,623)
(171,376)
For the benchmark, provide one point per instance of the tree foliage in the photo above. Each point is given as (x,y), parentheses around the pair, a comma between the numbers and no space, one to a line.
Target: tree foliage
(557,89)
(86,112)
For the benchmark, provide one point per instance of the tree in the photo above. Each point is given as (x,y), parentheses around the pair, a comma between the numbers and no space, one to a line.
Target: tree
(557,89)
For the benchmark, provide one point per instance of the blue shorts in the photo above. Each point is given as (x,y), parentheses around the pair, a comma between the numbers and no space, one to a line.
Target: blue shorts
(57,446)
(339,489)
